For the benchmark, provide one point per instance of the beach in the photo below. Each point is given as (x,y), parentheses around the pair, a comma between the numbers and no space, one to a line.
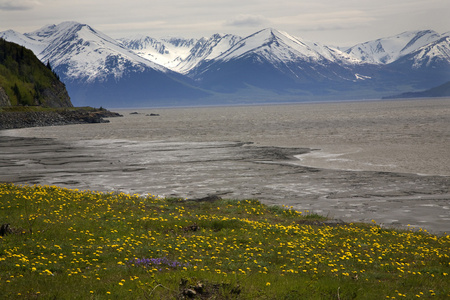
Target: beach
(387,161)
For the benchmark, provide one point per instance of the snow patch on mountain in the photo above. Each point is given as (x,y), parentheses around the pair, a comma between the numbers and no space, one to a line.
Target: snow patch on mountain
(387,50)
(168,52)
(80,52)
(282,47)
(23,40)
(180,54)
(206,50)
(361,77)
(266,60)
(438,51)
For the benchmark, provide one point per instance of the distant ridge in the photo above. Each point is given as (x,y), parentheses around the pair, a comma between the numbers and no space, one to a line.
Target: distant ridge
(442,90)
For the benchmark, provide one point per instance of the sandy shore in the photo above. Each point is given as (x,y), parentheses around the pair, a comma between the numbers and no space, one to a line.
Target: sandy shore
(357,161)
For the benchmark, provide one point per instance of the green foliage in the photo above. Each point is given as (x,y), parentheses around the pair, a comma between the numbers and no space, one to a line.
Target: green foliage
(23,76)
(69,244)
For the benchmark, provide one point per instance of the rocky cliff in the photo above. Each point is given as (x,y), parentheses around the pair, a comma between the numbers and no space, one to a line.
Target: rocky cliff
(4,99)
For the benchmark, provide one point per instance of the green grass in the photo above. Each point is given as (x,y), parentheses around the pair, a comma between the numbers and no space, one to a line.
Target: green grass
(68,244)
(23,77)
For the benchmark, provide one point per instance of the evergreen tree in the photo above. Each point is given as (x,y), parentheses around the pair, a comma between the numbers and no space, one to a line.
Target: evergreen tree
(17,93)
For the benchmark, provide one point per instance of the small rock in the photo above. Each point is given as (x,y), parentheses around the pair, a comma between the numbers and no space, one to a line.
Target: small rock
(193,227)
(199,287)
(189,292)
(210,198)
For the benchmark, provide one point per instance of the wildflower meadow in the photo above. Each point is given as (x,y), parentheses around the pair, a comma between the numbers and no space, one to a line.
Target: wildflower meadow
(58,243)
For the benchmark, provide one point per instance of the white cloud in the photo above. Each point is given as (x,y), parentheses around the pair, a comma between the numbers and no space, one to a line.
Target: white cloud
(12,5)
(326,21)
(247,20)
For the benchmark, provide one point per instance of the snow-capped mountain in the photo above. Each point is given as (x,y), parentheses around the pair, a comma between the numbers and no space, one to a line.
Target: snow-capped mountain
(435,53)
(276,60)
(207,49)
(282,47)
(388,50)
(269,65)
(427,66)
(23,40)
(179,54)
(167,52)
(86,54)
(98,70)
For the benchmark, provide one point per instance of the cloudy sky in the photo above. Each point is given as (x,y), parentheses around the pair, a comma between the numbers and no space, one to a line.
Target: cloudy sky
(332,22)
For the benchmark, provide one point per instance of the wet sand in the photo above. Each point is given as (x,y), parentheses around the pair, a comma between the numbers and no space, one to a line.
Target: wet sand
(383,160)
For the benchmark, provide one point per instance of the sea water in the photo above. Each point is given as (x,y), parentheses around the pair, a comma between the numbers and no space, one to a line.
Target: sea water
(355,161)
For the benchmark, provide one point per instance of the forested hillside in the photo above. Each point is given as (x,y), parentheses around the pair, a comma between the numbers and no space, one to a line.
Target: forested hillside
(26,81)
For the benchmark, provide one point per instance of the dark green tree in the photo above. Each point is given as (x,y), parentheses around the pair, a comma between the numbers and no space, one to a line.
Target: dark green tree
(17,93)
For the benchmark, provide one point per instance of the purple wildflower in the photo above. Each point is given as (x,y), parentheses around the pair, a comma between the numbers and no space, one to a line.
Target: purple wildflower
(161,262)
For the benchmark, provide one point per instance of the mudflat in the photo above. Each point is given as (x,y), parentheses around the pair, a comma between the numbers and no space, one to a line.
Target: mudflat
(387,161)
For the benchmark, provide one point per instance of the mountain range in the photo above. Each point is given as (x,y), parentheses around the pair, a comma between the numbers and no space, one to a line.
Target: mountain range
(267,66)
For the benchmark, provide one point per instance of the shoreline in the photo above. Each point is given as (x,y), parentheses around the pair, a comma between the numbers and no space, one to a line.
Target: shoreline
(255,104)
(14,118)
(232,170)
(238,152)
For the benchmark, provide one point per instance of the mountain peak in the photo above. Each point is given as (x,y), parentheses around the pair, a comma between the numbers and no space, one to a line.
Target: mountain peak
(90,54)
(51,29)
(277,45)
(270,33)
(267,59)
(389,49)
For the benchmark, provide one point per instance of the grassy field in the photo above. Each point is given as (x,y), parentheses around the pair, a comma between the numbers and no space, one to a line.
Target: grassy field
(69,244)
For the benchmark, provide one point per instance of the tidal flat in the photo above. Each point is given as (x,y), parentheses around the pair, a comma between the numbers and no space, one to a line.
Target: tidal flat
(386,161)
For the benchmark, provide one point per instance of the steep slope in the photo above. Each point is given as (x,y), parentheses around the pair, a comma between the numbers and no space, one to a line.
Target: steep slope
(87,55)
(23,40)
(207,49)
(274,60)
(98,71)
(179,54)
(269,65)
(168,52)
(425,67)
(280,46)
(26,81)
(388,50)
(436,54)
